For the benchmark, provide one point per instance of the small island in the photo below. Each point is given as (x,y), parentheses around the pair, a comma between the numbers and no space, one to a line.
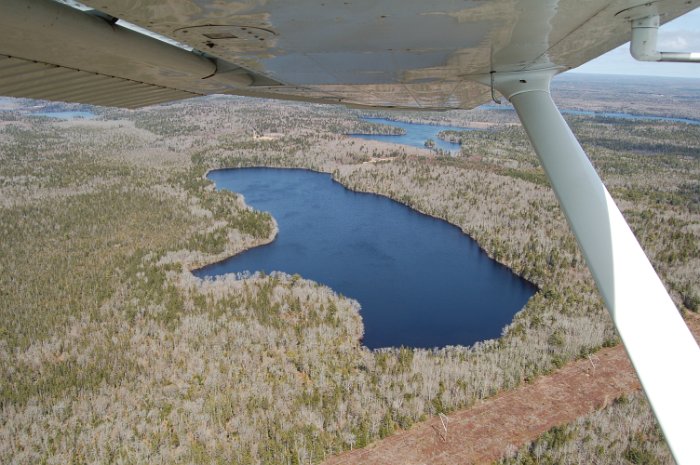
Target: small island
(454,137)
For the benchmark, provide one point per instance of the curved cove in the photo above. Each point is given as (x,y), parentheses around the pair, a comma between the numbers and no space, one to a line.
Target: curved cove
(420,281)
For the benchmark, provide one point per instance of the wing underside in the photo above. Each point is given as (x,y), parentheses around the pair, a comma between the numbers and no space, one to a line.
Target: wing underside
(387,53)
(26,78)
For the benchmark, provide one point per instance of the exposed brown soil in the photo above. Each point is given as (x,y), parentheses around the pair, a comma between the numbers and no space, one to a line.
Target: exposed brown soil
(482,433)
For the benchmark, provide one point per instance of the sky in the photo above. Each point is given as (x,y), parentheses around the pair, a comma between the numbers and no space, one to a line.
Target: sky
(680,35)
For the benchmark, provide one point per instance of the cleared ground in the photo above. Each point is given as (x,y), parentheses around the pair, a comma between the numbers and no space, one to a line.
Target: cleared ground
(486,431)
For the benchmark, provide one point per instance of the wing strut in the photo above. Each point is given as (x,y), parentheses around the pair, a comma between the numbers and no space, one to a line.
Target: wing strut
(659,344)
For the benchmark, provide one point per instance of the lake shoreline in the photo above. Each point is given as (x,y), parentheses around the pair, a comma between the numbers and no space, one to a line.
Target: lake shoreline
(228,253)
(219,259)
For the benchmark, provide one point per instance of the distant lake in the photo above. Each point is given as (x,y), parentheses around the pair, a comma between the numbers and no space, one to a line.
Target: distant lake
(66,114)
(420,281)
(629,116)
(416,134)
(605,114)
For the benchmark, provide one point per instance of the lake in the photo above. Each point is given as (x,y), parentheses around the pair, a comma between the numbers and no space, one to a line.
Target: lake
(420,281)
(416,133)
(415,136)
(605,114)
(67,115)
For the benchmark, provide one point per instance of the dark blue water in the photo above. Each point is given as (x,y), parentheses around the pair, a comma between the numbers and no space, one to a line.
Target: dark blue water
(605,114)
(416,134)
(420,281)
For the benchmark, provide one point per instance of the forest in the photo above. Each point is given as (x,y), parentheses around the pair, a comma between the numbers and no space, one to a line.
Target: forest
(111,351)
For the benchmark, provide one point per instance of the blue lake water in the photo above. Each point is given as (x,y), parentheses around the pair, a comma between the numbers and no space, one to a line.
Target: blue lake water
(66,114)
(420,281)
(416,134)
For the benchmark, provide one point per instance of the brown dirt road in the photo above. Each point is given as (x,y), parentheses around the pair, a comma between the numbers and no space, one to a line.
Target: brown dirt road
(483,432)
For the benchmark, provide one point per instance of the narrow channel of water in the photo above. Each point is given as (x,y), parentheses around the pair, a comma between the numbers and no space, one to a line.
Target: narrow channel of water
(420,281)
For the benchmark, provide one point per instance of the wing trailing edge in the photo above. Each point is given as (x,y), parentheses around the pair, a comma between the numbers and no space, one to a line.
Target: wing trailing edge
(52,51)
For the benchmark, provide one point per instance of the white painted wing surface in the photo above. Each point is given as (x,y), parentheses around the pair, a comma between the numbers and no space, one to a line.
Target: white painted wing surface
(385,53)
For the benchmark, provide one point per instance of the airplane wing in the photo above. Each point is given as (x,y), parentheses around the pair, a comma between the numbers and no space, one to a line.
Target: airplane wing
(380,53)
(434,54)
